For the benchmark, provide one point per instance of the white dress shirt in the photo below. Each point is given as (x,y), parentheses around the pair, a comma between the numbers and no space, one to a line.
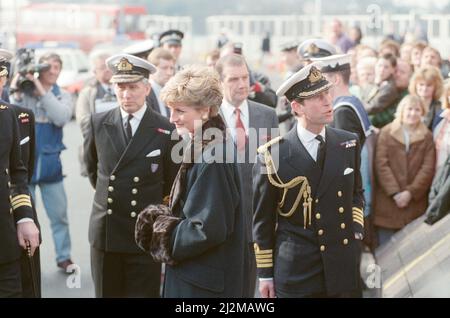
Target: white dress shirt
(157,90)
(136,120)
(308,139)
(230,116)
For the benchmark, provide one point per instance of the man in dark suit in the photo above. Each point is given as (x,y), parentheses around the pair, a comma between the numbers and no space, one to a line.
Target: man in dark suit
(251,124)
(31,285)
(17,227)
(128,158)
(308,200)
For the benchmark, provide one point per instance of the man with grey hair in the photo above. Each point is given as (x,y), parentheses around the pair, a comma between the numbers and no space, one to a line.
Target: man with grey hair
(251,124)
(127,153)
(96,97)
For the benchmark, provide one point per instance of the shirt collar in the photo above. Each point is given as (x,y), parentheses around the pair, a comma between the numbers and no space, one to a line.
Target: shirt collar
(138,115)
(306,136)
(228,109)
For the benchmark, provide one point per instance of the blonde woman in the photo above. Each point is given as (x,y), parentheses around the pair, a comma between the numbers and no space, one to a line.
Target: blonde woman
(404,167)
(200,236)
(427,83)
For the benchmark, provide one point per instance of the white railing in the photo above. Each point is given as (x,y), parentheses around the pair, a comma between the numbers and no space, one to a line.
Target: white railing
(250,29)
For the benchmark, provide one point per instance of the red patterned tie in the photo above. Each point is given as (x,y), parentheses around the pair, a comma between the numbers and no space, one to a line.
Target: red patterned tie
(241,137)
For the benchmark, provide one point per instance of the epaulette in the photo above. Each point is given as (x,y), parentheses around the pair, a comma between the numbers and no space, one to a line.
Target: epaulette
(23,115)
(262,149)
(2,107)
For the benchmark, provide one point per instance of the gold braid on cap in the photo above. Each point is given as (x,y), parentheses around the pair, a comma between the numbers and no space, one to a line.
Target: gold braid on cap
(3,71)
(304,191)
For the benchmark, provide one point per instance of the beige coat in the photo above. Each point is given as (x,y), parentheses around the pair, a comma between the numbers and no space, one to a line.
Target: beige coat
(397,170)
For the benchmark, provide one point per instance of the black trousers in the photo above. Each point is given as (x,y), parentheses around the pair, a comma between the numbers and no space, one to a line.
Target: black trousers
(10,280)
(27,280)
(125,275)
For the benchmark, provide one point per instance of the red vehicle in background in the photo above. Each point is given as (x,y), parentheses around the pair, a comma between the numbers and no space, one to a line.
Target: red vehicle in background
(85,24)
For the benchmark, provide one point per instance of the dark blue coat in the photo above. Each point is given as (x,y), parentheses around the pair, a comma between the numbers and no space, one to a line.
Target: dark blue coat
(210,243)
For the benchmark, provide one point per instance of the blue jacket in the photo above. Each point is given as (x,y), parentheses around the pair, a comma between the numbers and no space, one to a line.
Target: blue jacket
(48,167)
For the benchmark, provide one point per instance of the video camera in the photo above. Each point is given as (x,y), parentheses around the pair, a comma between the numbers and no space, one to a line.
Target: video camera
(25,64)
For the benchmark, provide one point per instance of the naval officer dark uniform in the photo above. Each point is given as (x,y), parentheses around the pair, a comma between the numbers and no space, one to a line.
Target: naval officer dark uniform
(127,176)
(15,203)
(308,211)
(25,118)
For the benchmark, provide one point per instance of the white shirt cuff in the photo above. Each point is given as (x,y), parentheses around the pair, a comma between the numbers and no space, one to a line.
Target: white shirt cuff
(265,279)
(24,220)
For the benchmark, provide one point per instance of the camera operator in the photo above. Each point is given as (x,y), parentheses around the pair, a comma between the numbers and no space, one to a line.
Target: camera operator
(52,108)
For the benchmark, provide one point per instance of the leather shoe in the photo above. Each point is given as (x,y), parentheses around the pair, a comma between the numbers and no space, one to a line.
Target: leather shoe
(64,264)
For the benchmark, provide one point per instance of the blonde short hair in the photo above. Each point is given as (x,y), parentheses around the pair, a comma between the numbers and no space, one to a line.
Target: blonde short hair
(407,100)
(195,86)
(428,74)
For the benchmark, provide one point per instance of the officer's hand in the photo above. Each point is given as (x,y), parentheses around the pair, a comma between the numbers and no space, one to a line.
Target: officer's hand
(359,236)
(267,288)
(14,81)
(28,232)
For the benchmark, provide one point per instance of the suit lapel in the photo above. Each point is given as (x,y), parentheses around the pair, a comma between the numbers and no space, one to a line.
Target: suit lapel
(114,129)
(255,119)
(143,135)
(333,161)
